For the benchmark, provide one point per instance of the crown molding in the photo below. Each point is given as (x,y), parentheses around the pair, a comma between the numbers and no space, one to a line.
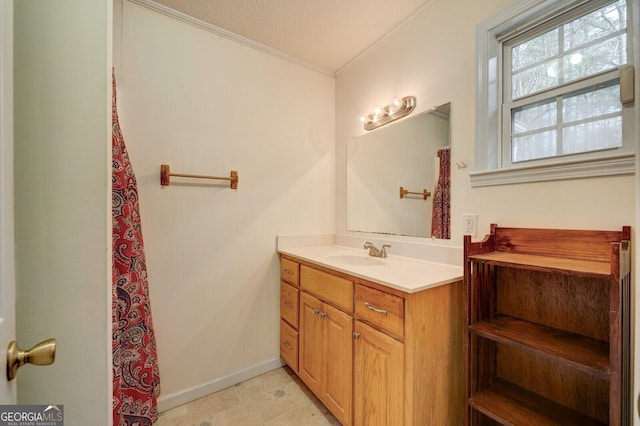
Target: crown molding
(382,40)
(156,7)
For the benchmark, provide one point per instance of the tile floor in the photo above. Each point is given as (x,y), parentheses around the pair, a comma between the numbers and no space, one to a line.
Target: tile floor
(276,398)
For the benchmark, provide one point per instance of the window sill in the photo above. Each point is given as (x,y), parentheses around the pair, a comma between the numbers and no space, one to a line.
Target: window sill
(623,164)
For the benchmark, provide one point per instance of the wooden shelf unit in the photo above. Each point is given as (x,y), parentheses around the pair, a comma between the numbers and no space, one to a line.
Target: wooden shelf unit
(547,338)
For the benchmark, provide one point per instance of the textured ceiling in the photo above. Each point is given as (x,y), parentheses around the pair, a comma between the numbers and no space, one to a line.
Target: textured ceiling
(325,33)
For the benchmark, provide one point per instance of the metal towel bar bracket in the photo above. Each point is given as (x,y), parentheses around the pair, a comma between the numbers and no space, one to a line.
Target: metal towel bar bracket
(424,193)
(165,176)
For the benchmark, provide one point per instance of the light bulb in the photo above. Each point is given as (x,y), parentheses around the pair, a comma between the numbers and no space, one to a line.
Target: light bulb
(378,112)
(395,105)
(363,118)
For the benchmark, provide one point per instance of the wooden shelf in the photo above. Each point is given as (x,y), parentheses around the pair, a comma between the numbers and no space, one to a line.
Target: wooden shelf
(545,263)
(547,338)
(586,354)
(512,405)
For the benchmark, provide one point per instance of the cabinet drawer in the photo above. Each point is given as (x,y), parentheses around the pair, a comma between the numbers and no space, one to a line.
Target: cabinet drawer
(289,303)
(381,309)
(289,345)
(332,289)
(289,271)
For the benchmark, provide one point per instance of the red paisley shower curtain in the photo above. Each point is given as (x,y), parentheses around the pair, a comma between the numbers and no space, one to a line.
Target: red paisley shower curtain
(442,197)
(136,380)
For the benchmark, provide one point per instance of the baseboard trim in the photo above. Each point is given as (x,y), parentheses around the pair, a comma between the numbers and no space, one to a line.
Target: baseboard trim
(172,400)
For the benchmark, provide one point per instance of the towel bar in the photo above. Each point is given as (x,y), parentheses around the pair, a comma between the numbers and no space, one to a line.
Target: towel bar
(424,193)
(165,176)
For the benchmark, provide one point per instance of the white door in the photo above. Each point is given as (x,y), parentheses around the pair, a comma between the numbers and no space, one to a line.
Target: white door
(7,273)
(45,353)
(62,202)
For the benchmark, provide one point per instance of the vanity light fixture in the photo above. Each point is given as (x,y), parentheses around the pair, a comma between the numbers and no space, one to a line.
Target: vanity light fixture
(397,108)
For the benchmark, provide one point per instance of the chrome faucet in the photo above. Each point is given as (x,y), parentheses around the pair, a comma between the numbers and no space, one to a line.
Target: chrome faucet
(374,251)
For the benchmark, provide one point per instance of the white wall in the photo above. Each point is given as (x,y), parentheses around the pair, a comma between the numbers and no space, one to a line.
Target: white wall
(206,105)
(62,59)
(433,58)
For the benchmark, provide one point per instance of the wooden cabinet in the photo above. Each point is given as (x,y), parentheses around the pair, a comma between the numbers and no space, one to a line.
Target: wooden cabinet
(289,303)
(378,358)
(547,339)
(379,379)
(289,312)
(289,345)
(311,342)
(383,310)
(375,355)
(326,354)
(290,271)
(333,289)
(338,356)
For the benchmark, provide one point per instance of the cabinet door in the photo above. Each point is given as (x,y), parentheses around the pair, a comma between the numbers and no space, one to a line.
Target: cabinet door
(337,377)
(310,341)
(379,378)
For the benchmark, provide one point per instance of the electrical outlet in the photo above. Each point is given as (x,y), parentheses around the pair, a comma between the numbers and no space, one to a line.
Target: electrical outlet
(470,224)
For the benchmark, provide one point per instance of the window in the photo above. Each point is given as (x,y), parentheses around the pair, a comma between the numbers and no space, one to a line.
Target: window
(555,99)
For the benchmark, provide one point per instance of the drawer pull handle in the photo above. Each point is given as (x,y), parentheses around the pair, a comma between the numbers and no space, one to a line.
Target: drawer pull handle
(288,271)
(287,345)
(288,304)
(374,309)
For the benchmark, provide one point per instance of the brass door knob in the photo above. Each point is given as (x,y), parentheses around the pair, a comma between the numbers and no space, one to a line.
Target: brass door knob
(44,353)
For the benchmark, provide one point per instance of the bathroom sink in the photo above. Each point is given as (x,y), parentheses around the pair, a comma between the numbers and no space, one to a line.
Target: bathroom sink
(352,259)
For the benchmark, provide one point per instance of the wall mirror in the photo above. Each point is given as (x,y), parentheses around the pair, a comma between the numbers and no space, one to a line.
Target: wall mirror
(403,154)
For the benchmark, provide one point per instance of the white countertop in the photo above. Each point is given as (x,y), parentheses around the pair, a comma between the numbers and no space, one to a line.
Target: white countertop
(402,273)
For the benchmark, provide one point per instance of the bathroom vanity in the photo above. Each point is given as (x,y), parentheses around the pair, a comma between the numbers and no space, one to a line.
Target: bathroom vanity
(379,341)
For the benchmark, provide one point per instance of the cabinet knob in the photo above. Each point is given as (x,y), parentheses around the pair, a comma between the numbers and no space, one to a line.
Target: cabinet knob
(322,315)
(356,335)
(287,345)
(316,311)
